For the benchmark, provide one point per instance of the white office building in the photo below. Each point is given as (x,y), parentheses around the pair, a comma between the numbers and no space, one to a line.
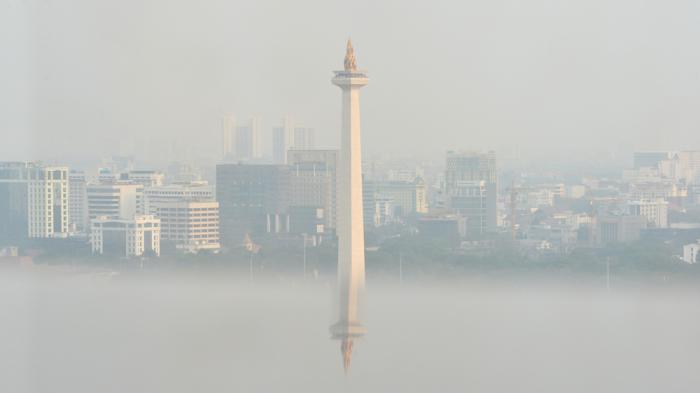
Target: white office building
(192,191)
(655,212)
(33,201)
(190,226)
(118,199)
(131,237)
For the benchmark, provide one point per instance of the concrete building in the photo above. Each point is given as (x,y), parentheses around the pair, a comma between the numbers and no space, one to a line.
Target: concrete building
(691,252)
(186,191)
(118,199)
(655,212)
(190,226)
(614,228)
(289,136)
(247,141)
(147,178)
(228,124)
(471,189)
(131,237)
(313,180)
(475,202)
(409,197)
(33,201)
(77,202)
(246,195)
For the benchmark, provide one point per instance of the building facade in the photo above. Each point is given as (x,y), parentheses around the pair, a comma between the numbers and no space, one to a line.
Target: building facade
(190,226)
(132,237)
(78,206)
(247,194)
(118,199)
(33,201)
(471,189)
(313,182)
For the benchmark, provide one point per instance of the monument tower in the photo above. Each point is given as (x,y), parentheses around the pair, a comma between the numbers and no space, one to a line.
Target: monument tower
(350,225)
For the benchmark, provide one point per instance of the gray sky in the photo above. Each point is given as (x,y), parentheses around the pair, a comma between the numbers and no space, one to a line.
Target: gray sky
(509,75)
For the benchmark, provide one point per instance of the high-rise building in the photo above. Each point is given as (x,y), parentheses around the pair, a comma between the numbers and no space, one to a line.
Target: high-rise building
(291,137)
(247,194)
(136,236)
(408,197)
(655,212)
(304,138)
(33,201)
(119,200)
(473,200)
(228,124)
(247,140)
(471,189)
(77,206)
(350,228)
(313,181)
(191,191)
(190,226)
(281,141)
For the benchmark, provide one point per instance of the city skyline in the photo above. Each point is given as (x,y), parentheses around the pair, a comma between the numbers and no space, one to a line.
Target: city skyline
(634,84)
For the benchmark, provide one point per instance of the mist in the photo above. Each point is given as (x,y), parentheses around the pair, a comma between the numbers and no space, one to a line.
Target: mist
(83,80)
(205,332)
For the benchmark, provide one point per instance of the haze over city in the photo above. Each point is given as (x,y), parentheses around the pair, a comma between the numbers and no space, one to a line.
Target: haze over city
(349,197)
(83,80)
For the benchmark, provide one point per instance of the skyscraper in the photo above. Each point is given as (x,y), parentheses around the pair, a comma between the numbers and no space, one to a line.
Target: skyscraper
(281,141)
(289,136)
(471,188)
(78,208)
(247,140)
(228,124)
(33,201)
(247,195)
(350,230)
(313,181)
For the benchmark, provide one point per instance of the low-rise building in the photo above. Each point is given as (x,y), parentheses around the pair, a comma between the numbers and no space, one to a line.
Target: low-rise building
(690,252)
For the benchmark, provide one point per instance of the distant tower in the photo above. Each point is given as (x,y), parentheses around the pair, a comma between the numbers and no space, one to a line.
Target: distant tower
(290,136)
(282,140)
(350,230)
(246,141)
(228,124)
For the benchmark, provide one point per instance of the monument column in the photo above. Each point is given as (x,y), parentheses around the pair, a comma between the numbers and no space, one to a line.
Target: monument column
(350,224)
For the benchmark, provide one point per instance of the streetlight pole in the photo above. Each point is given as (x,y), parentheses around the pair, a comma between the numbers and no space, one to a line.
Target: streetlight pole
(304,248)
(251,266)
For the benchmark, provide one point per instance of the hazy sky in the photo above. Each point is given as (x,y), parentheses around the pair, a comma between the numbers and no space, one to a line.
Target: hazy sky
(531,75)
